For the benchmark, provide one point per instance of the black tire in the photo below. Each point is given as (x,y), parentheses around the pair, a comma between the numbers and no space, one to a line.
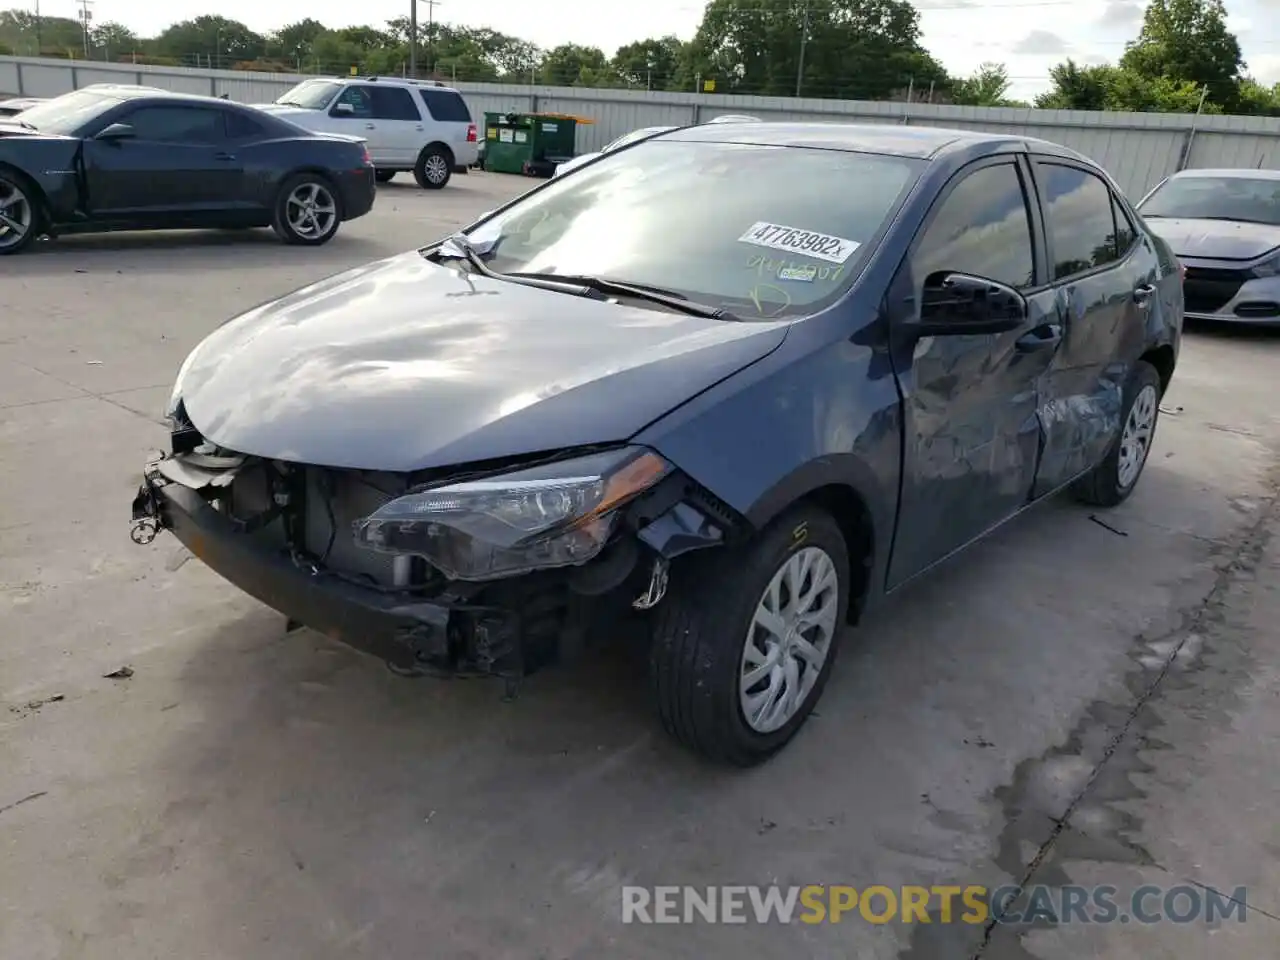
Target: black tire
(1104,485)
(384,176)
(286,230)
(434,167)
(23,202)
(701,632)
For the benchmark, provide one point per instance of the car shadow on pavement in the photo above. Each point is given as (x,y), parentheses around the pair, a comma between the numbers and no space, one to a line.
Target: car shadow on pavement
(311,796)
(188,249)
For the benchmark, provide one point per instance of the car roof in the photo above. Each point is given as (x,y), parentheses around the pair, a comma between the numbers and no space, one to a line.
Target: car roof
(892,139)
(1230,173)
(391,82)
(124,93)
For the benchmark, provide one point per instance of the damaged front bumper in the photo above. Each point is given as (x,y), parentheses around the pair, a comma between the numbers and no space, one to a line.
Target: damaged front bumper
(404,633)
(441,628)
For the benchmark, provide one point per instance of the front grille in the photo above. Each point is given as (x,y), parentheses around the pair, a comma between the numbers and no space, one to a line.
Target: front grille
(1208,290)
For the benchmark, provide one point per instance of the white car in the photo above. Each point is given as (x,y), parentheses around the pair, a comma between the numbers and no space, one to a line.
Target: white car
(409,125)
(644,133)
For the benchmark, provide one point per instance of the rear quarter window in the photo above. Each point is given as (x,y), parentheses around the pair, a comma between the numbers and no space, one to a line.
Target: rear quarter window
(446,106)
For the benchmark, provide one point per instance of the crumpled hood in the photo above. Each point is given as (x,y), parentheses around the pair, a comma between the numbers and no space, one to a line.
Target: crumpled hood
(1216,239)
(404,364)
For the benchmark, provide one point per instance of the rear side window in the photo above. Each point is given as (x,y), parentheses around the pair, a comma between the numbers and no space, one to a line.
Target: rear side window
(243,127)
(393,103)
(446,106)
(982,228)
(1081,222)
(176,124)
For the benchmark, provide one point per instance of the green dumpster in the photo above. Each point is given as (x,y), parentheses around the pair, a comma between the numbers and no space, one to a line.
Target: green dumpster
(532,144)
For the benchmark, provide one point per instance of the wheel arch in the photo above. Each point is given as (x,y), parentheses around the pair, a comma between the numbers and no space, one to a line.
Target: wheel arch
(37,191)
(1163,359)
(845,488)
(442,146)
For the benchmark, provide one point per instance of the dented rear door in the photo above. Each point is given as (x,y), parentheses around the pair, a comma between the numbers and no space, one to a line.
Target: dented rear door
(1100,271)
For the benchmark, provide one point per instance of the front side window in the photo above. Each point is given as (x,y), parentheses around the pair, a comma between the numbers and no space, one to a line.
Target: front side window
(1080,222)
(981,228)
(176,124)
(358,98)
(1244,199)
(764,231)
(68,114)
(311,94)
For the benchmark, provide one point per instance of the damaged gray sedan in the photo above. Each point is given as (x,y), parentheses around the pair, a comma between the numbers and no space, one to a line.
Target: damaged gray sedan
(748,414)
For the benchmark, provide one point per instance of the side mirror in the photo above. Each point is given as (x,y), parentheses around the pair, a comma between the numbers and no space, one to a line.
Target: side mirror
(116,131)
(956,304)
(345,109)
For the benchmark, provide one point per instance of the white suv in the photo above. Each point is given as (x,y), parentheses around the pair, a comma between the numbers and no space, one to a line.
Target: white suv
(409,125)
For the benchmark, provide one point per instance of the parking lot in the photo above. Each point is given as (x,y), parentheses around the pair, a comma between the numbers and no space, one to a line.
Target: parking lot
(1086,699)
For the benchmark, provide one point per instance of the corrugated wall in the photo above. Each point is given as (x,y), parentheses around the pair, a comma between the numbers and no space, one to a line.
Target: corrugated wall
(1138,148)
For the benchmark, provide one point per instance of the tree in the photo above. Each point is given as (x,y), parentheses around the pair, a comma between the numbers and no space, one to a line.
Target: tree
(853,49)
(563,66)
(649,63)
(214,39)
(986,88)
(293,41)
(1106,87)
(113,39)
(19,31)
(1188,40)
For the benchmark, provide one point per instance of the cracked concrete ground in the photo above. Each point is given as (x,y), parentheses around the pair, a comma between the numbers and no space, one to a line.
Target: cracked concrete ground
(1069,702)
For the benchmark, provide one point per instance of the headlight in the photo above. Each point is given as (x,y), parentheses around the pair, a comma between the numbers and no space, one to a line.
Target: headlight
(555,515)
(1268,268)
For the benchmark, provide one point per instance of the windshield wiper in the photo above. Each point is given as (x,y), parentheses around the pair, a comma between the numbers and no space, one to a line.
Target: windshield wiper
(640,291)
(458,246)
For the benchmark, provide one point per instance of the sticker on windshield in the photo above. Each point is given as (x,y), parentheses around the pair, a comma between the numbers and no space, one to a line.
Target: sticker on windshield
(798,273)
(776,236)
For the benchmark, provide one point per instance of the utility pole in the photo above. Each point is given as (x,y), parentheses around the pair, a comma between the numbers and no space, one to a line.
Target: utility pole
(39,39)
(413,38)
(85,16)
(804,42)
(431,33)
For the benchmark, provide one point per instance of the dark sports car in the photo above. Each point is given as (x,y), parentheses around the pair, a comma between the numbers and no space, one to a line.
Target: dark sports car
(136,159)
(751,378)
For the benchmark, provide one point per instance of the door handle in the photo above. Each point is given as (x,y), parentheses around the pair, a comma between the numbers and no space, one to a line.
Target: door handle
(224,156)
(418,127)
(1040,338)
(369,126)
(1143,293)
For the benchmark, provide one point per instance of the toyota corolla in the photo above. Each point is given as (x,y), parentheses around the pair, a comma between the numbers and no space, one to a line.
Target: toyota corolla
(748,379)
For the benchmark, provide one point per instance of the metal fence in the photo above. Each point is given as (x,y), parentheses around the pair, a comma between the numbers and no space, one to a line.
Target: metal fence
(1139,149)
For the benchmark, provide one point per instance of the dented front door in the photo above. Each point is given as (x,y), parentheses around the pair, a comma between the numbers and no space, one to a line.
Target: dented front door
(971,430)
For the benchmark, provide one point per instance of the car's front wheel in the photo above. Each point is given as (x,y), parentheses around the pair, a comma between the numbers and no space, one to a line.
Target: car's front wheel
(19,213)
(307,210)
(744,643)
(1112,480)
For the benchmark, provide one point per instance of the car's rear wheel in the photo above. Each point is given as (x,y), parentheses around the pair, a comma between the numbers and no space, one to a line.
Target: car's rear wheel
(434,168)
(1112,480)
(20,213)
(308,210)
(384,176)
(744,643)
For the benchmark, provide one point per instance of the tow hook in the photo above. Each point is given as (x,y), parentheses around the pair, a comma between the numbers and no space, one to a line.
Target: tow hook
(146,511)
(144,530)
(657,586)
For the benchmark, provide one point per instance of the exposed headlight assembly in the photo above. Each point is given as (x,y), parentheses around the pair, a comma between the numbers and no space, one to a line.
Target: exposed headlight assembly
(553,515)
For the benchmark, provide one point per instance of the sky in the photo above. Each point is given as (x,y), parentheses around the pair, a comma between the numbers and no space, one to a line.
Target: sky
(1028,36)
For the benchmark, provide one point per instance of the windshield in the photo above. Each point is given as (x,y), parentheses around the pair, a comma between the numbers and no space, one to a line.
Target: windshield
(763,231)
(312,94)
(1251,199)
(633,136)
(65,115)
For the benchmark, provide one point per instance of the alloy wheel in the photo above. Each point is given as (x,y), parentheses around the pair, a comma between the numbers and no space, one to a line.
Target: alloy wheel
(1135,439)
(789,639)
(17,214)
(436,169)
(311,211)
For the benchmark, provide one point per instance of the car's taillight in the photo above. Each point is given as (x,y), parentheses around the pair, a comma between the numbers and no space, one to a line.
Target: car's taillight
(367,160)
(471,133)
